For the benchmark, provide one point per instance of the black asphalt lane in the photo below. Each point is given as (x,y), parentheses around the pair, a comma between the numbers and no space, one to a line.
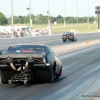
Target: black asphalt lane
(58,42)
(14,91)
(80,80)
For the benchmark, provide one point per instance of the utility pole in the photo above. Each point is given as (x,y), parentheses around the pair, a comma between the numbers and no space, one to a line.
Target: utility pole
(30,18)
(77,16)
(98,17)
(64,16)
(97,11)
(88,14)
(12,17)
(49,31)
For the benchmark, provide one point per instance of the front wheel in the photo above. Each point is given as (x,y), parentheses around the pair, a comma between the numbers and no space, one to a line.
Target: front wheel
(57,76)
(64,40)
(51,75)
(76,39)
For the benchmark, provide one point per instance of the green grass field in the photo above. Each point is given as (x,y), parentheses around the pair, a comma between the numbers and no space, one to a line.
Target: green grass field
(59,28)
(81,28)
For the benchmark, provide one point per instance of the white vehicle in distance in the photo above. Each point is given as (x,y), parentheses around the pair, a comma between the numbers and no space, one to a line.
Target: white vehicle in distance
(36,33)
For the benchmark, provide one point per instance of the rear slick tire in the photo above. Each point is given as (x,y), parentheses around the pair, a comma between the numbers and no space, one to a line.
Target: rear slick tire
(3,80)
(44,76)
(6,75)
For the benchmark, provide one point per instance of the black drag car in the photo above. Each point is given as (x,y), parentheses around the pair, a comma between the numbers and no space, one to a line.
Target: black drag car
(27,62)
(65,36)
(69,36)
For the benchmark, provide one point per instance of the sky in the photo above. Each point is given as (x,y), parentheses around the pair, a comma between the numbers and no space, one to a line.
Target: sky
(56,7)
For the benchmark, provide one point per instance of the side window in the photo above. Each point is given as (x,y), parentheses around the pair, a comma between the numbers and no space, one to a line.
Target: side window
(11,48)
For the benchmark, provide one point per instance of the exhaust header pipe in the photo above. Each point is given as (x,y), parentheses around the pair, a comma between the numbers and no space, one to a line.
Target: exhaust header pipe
(14,68)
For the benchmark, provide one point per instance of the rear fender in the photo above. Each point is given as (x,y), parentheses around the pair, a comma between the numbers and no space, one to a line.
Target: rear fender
(50,59)
(57,69)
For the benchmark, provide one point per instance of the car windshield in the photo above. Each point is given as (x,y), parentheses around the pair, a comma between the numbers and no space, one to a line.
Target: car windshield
(71,33)
(25,48)
(66,33)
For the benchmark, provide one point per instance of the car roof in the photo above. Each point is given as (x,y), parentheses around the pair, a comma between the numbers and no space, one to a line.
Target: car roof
(72,33)
(29,45)
(69,33)
(46,47)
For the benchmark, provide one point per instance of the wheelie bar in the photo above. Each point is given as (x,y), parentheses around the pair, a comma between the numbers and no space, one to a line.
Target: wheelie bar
(22,76)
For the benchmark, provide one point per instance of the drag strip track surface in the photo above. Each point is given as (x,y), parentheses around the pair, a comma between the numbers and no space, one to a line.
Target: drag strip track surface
(80,80)
(59,42)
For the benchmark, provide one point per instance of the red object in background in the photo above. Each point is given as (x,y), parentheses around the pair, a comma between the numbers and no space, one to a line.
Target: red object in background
(63,36)
(28,50)
(71,36)
(37,30)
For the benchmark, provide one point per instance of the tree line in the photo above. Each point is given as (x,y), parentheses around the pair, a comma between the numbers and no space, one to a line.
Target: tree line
(41,19)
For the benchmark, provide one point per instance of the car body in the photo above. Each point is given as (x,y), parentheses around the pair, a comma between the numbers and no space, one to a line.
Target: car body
(65,36)
(27,62)
(69,36)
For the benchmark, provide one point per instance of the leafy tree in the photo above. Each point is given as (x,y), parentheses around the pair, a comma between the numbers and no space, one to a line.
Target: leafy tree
(59,16)
(41,19)
(16,20)
(91,19)
(70,20)
(3,19)
(27,19)
(33,18)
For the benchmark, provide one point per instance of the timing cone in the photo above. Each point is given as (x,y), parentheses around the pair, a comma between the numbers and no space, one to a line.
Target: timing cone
(87,42)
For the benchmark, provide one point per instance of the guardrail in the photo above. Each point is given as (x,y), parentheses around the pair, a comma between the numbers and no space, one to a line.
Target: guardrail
(8,41)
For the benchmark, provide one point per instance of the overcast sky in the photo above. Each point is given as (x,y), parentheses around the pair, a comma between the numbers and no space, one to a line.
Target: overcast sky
(56,7)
